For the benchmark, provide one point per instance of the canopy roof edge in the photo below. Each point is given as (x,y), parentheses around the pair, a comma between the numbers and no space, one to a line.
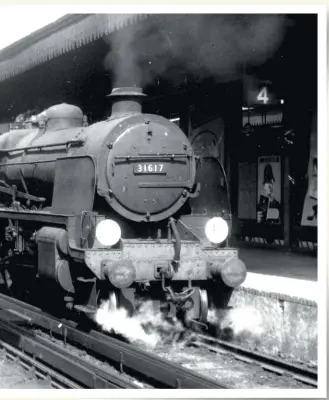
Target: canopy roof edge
(62,36)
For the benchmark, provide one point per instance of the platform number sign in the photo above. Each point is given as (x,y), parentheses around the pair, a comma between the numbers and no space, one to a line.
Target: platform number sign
(263,95)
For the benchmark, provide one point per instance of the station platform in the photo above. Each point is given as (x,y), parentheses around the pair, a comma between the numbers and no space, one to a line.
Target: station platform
(281,288)
(277,262)
(281,272)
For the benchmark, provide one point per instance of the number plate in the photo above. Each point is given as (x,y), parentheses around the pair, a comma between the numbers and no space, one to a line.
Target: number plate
(149,169)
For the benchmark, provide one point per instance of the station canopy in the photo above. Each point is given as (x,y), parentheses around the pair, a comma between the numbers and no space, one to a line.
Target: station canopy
(61,62)
(64,35)
(66,62)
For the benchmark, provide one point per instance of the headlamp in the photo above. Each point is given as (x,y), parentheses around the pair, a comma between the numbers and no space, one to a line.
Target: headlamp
(108,232)
(216,230)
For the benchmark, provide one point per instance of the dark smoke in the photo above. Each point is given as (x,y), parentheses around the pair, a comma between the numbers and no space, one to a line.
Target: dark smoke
(169,46)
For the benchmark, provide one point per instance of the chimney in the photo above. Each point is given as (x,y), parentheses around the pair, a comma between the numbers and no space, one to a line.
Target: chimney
(126,100)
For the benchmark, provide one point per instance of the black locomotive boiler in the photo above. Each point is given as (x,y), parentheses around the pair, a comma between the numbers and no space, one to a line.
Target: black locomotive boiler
(120,208)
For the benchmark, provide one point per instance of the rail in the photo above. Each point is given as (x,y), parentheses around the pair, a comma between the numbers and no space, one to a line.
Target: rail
(269,363)
(128,358)
(36,370)
(59,359)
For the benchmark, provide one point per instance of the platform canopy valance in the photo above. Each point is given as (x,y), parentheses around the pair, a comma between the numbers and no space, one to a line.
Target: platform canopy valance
(62,36)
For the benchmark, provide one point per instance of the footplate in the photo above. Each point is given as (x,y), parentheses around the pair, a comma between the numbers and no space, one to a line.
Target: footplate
(149,258)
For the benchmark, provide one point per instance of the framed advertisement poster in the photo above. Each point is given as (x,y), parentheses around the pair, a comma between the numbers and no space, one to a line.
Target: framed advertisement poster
(269,190)
(310,209)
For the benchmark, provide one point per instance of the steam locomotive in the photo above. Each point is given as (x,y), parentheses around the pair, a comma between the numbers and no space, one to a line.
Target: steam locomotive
(121,208)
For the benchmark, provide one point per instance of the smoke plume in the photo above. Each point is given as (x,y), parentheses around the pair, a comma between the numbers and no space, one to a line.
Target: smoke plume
(173,46)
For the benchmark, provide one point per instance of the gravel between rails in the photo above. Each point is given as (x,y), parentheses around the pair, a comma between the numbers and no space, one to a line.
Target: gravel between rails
(231,371)
(279,366)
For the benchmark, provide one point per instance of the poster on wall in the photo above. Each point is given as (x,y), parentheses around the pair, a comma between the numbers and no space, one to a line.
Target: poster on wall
(310,210)
(269,190)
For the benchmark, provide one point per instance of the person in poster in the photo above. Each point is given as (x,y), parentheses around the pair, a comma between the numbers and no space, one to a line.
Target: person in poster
(268,209)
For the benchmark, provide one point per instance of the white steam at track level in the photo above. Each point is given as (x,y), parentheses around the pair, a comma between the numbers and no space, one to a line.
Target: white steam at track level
(147,327)
(239,323)
(150,328)
(215,46)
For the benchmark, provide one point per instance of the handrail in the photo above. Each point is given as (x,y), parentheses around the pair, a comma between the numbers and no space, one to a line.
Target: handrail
(40,147)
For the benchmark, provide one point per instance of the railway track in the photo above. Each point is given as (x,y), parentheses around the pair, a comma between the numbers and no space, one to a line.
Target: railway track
(60,361)
(36,372)
(268,363)
(135,367)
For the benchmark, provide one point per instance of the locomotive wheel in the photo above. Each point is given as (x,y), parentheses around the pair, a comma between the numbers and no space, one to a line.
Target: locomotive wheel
(198,306)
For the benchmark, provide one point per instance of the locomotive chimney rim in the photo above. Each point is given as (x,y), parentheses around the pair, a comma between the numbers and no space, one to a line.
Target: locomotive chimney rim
(126,100)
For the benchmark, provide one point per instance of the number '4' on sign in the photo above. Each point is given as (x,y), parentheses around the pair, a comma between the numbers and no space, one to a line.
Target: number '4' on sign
(262,95)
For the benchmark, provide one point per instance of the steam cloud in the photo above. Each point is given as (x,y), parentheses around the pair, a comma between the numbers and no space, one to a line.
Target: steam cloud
(150,328)
(169,46)
(241,322)
(147,327)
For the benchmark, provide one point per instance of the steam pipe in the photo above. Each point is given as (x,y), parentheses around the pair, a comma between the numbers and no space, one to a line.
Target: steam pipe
(177,245)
